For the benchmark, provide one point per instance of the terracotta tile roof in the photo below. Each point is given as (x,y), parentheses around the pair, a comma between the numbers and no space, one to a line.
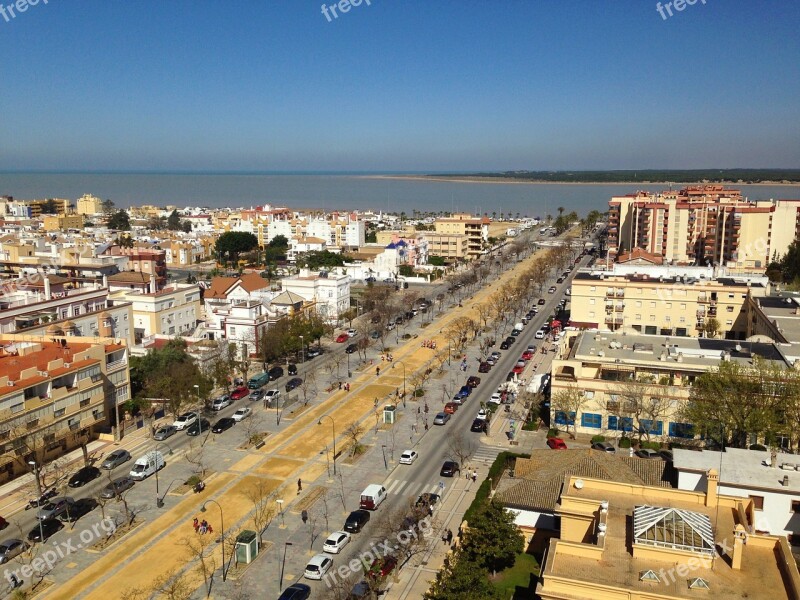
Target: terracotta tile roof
(640,255)
(537,481)
(253,281)
(129,277)
(220,286)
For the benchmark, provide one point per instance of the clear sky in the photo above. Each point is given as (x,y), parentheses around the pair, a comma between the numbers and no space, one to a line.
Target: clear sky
(399,85)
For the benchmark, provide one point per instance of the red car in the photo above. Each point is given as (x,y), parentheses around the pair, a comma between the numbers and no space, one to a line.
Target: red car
(519,368)
(381,567)
(342,338)
(450,408)
(556,443)
(239,393)
(527,355)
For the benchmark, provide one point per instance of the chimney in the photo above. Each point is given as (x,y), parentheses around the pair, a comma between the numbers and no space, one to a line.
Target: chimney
(46,286)
(712,478)
(153,285)
(739,541)
(773,458)
(105,281)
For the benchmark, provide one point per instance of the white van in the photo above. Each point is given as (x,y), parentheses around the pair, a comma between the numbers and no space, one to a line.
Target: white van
(147,465)
(372,496)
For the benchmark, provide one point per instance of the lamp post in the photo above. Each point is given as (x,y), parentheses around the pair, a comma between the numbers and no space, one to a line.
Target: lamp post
(404,379)
(38,491)
(302,350)
(221,533)
(283,564)
(385,464)
(333,434)
(160,500)
(197,387)
(154,453)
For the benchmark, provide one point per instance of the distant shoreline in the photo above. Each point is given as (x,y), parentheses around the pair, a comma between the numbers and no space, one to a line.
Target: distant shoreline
(508,180)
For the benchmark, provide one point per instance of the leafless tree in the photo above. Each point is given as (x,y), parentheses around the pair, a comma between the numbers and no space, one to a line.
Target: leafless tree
(354,431)
(174,585)
(264,509)
(568,400)
(309,387)
(195,456)
(200,548)
(460,448)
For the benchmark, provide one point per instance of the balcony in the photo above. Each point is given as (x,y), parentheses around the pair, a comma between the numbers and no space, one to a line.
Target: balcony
(613,320)
(117,364)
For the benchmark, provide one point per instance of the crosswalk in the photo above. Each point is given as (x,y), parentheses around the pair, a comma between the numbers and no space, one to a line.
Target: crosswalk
(400,487)
(485,454)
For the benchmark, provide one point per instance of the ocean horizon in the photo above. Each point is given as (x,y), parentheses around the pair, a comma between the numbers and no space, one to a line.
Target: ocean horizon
(377,191)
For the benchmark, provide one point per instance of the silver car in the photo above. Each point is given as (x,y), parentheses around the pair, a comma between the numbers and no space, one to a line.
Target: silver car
(11,548)
(55,507)
(116,458)
(117,487)
(164,432)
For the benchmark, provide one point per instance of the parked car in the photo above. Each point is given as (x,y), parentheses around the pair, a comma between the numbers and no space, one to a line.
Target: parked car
(183,421)
(239,393)
(48,528)
(374,334)
(275,373)
(603,447)
(317,567)
(115,459)
(541,301)
(293,383)
(527,355)
(539,334)
(296,591)
(483,414)
(551,289)
(504,345)
(223,425)
(449,469)
(11,548)
(511,339)
(55,507)
(519,367)
(450,407)
(473,381)
(356,520)
(82,507)
(221,402)
(164,432)
(491,361)
(647,453)
(408,457)
(313,352)
(83,476)
(496,398)
(515,332)
(117,487)
(198,427)
(342,338)
(335,542)
(496,355)
(241,414)
(441,418)
(511,376)
(381,567)
(256,395)
(479,426)
(556,444)
(351,348)
(291,369)
(485,367)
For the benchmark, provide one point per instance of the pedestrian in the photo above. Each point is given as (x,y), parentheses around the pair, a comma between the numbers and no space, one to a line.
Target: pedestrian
(474,476)
(209,529)
(430,510)
(304,516)
(377,371)
(196,524)
(376,402)
(340,385)
(449,536)
(347,386)
(203,526)
(426,426)
(299,485)
(419,410)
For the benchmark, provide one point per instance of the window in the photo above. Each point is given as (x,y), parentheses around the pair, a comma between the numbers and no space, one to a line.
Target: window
(620,423)
(652,305)
(638,304)
(682,319)
(728,322)
(683,306)
(562,419)
(652,318)
(796,506)
(591,300)
(232,331)
(653,428)
(758,502)
(591,314)
(588,394)
(681,430)
(594,421)
(669,304)
(729,308)
(638,317)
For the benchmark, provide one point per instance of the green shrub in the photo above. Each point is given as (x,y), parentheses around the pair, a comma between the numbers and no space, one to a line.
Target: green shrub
(650,445)
(552,432)
(598,438)
(419,393)
(759,447)
(193,480)
(625,442)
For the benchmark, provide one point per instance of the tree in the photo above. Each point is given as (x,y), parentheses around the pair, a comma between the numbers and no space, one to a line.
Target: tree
(50,207)
(493,540)
(155,223)
(462,579)
(263,501)
(279,242)
(353,432)
(124,241)
(460,448)
(644,402)
(711,327)
(568,401)
(186,227)
(119,221)
(233,243)
(107,206)
(318,259)
(174,221)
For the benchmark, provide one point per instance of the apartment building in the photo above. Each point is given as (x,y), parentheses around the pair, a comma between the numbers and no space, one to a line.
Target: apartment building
(56,393)
(171,311)
(61,222)
(606,366)
(149,261)
(449,246)
(705,224)
(475,228)
(89,205)
(635,542)
(663,300)
(330,292)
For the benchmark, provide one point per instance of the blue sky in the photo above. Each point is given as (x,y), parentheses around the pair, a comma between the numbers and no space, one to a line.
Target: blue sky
(399,85)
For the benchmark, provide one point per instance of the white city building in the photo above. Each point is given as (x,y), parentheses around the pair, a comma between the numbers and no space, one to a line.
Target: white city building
(329,290)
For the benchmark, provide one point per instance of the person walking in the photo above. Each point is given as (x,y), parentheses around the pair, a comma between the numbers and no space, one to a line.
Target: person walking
(474,476)
(304,516)
(196,524)
(449,537)
(299,486)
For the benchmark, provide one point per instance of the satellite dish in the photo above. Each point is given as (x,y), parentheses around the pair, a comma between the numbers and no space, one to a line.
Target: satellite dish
(578,484)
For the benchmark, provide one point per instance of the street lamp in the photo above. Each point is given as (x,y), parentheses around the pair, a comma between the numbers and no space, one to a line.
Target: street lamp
(154,452)
(385,464)
(39,491)
(400,362)
(197,387)
(221,533)
(160,500)
(333,433)
(283,564)
(302,350)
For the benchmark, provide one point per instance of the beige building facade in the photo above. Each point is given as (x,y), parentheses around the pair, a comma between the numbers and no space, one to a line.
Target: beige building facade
(450,246)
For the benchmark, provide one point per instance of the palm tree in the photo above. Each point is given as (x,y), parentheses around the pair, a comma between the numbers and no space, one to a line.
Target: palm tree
(560,210)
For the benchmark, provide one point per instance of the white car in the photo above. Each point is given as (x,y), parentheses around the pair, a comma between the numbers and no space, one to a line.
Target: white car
(335,542)
(351,333)
(241,414)
(317,567)
(183,421)
(482,414)
(539,335)
(272,397)
(220,403)
(408,457)
(496,398)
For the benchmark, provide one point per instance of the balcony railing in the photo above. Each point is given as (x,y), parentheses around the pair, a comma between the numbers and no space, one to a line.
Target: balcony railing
(117,364)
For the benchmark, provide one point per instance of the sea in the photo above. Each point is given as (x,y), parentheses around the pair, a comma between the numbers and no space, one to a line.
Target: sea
(332,192)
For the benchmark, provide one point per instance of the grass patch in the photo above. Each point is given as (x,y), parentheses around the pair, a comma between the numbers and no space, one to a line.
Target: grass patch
(519,581)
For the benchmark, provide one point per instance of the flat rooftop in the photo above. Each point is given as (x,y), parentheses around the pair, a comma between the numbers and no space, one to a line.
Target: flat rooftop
(619,568)
(737,466)
(784,311)
(651,275)
(701,353)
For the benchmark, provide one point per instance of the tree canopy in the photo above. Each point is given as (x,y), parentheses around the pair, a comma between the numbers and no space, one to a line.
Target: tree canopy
(233,243)
(317,259)
(119,221)
(493,540)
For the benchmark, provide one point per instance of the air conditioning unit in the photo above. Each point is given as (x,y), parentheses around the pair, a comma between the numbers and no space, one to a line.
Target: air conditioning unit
(67,365)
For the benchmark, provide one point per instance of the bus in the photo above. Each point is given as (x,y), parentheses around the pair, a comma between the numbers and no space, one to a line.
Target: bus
(258,381)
